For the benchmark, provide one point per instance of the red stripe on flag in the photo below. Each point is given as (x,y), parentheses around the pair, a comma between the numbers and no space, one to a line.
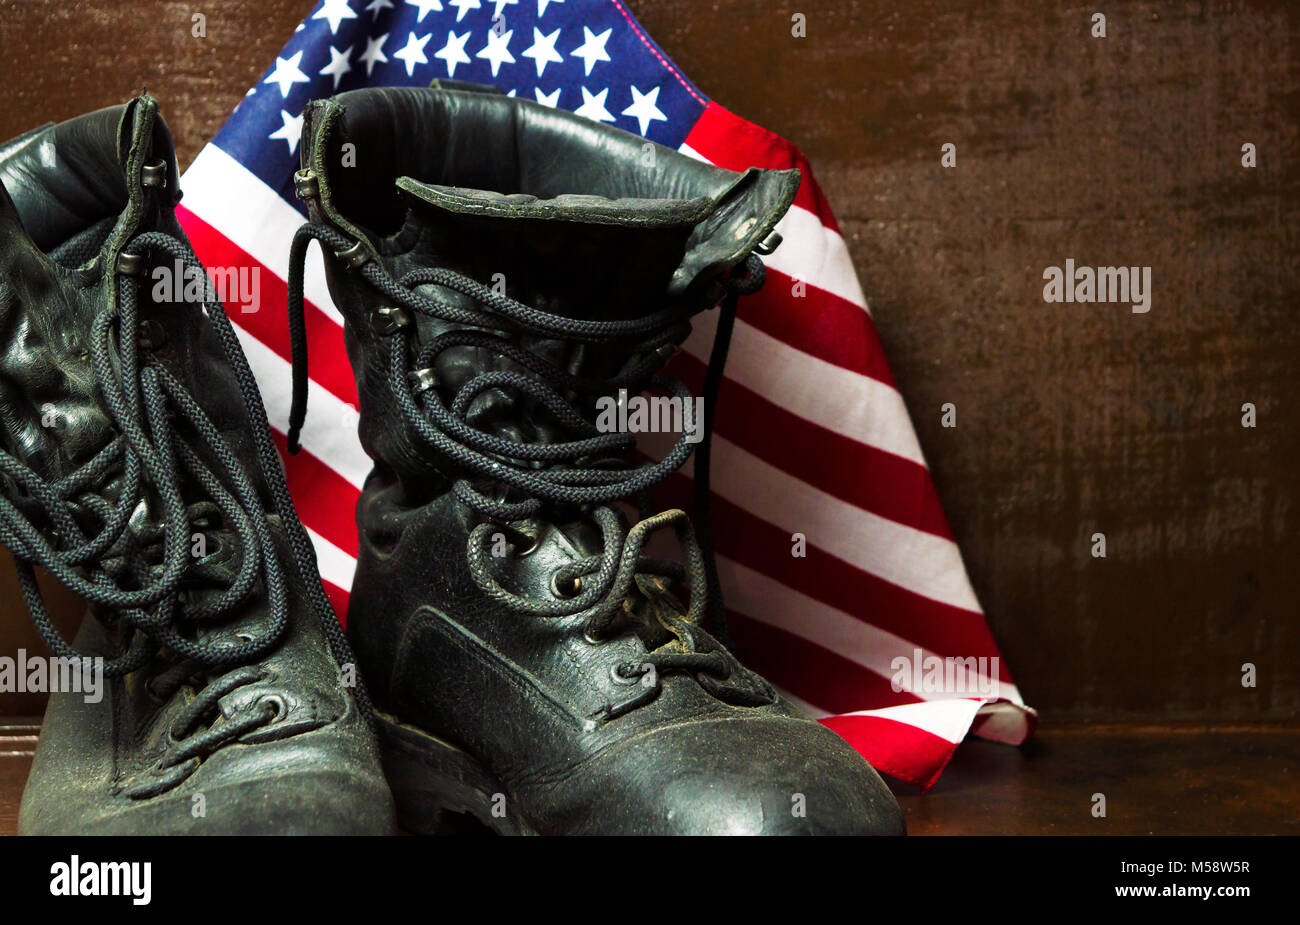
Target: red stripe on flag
(818,323)
(815,674)
(327,503)
(339,600)
(729,141)
(895,748)
(330,368)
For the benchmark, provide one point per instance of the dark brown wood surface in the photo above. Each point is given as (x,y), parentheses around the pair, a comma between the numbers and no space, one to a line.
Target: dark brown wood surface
(1072,419)
(17,745)
(1156,781)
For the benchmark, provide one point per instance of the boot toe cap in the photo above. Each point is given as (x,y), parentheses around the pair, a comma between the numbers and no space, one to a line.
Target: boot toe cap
(770,776)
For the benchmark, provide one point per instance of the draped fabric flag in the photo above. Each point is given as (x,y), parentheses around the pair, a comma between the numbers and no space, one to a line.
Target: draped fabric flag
(869,621)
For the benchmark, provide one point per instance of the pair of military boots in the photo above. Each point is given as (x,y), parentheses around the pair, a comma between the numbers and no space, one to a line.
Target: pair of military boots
(527,661)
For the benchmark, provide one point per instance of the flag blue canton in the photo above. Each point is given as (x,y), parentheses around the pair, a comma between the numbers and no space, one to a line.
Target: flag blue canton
(587,56)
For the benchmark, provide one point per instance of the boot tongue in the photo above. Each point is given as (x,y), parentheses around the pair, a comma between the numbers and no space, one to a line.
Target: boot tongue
(576,255)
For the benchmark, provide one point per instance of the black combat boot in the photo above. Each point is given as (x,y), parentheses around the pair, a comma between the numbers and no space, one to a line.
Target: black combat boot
(137,467)
(502,266)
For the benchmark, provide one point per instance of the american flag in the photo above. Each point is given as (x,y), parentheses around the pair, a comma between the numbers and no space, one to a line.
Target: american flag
(811,435)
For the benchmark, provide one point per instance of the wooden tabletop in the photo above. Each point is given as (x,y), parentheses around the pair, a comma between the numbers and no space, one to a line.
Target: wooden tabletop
(1156,780)
(17,742)
(1168,780)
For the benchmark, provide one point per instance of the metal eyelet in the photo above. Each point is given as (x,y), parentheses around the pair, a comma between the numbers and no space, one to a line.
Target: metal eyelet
(154,174)
(769,244)
(422,380)
(388,319)
(305,184)
(575,586)
(131,264)
(355,256)
(279,709)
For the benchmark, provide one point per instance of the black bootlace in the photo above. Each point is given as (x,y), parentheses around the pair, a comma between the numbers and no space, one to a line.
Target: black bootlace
(584,471)
(144,399)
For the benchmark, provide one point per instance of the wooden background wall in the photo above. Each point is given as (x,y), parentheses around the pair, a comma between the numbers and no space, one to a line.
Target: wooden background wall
(1072,419)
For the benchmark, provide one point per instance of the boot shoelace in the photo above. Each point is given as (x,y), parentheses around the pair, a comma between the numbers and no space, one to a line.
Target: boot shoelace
(594,587)
(143,398)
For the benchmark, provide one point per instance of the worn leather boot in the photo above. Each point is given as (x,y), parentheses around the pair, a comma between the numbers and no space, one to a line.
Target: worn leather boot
(502,266)
(137,467)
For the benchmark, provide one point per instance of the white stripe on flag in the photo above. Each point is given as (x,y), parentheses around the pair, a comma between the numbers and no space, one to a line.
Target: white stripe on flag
(336,566)
(948,719)
(1005,722)
(768,601)
(817,255)
(838,399)
(235,201)
(920,562)
(330,433)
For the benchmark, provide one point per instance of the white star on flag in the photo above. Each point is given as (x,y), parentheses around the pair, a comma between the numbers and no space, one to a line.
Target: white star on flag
(375,7)
(593,106)
(592,48)
(425,6)
(290,131)
(464,6)
(453,53)
(286,74)
(497,50)
(374,52)
(643,108)
(335,11)
(501,5)
(543,4)
(542,51)
(340,64)
(412,53)
(547,99)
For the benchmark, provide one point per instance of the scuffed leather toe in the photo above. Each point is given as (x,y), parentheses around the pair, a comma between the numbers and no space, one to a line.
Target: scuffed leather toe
(699,778)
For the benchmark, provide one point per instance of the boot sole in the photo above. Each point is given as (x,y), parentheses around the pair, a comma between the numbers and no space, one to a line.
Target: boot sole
(433,780)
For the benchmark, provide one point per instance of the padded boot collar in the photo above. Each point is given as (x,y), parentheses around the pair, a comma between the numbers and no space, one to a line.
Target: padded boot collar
(61,179)
(567,207)
(466,149)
